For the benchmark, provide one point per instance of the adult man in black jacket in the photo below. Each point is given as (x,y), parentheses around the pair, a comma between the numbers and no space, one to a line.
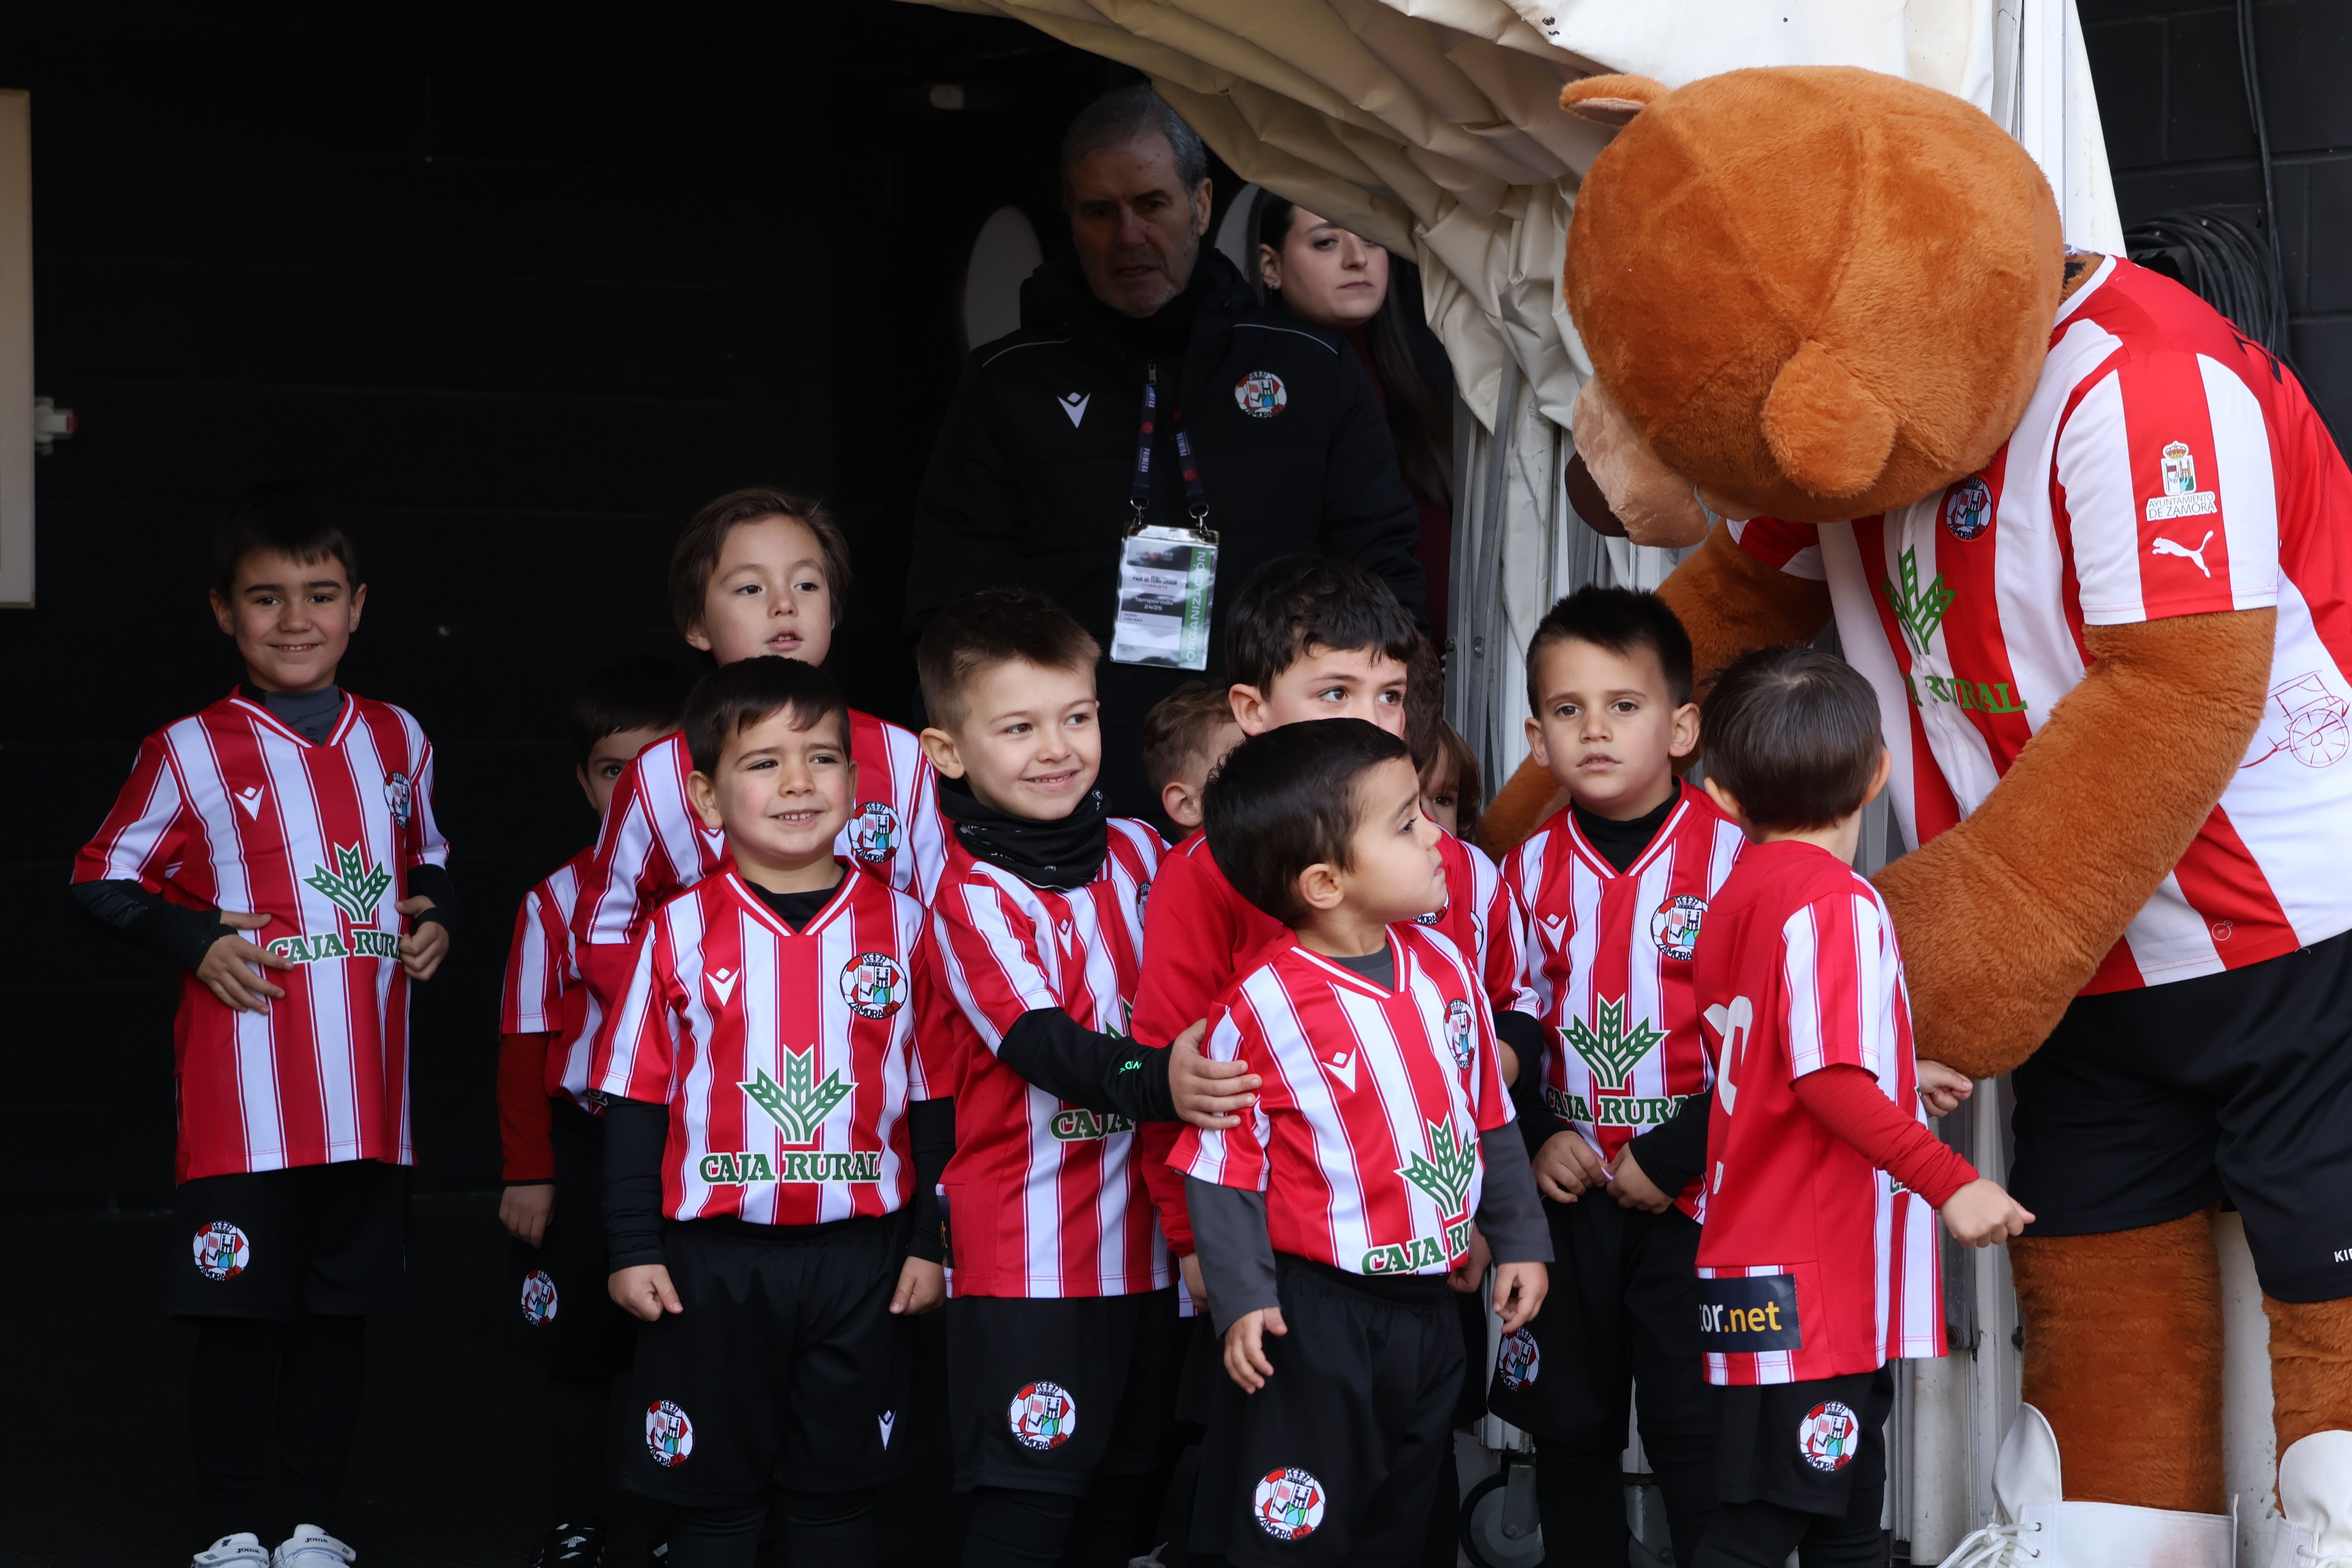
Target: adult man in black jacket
(1031,480)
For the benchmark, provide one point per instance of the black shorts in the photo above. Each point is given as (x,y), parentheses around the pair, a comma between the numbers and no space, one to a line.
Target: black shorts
(2144,1106)
(1335,1459)
(1045,1393)
(1810,1447)
(557,1297)
(1623,1307)
(785,1367)
(325,1239)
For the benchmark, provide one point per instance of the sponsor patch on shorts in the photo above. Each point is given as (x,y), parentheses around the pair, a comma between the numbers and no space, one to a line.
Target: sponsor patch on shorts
(539,1300)
(222,1250)
(1043,1415)
(1519,1360)
(669,1435)
(1828,1436)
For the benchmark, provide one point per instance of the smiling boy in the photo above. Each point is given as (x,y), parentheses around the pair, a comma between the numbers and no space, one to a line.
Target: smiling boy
(767,1209)
(303,815)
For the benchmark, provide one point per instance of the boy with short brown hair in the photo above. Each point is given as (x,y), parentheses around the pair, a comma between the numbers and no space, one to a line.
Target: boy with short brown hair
(1185,736)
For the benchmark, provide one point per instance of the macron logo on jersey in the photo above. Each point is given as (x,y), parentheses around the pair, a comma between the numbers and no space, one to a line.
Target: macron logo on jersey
(1074,403)
(1553,925)
(1342,1066)
(722,983)
(249,798)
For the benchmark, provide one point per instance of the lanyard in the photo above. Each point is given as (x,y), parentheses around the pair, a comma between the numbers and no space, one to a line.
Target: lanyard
(1139,492)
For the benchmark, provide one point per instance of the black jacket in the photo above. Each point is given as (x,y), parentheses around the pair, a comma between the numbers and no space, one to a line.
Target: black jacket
(1029,483)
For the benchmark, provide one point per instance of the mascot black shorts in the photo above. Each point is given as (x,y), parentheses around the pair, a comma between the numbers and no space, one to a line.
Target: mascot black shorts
(2144,1106)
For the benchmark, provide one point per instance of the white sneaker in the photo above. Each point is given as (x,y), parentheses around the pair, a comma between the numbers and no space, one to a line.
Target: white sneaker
(2314,1483)
(311,1547)
(243,1550)
(2035,1525)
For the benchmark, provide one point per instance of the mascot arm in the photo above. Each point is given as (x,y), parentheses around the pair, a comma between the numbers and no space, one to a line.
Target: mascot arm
(1729,601)
(2098,808)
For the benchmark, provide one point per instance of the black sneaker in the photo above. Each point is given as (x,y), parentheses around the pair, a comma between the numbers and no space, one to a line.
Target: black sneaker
(572,1546)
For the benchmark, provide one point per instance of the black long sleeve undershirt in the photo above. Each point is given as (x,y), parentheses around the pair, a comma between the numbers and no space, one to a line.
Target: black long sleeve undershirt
(931,1135)
(1674,1153)
(1104,1073)
(635,1131)
(184,935)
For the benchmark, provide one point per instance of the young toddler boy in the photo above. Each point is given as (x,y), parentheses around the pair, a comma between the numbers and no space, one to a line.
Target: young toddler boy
(301,813)
(766,1203)
(1614,890)
(1818,1261)
(1185,736)
(552,1143)
(756,572)
(1061,1332)
(1329,1221)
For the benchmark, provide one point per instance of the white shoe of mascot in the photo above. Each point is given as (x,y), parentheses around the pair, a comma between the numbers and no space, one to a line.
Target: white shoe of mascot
(2035,1527)
(2315,1494)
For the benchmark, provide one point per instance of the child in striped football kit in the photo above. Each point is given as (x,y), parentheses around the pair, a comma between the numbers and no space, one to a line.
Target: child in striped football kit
(298,815)
(1817,1263)
(552,1141)
(769,1191)
(1329,1222)
(1061,1335)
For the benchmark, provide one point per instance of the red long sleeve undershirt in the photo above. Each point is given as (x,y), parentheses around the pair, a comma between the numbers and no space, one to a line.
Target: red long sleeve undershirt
(1848,1102)
(525,1113)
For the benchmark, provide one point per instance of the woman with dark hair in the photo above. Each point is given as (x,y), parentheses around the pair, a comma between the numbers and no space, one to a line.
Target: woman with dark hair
(1324,274)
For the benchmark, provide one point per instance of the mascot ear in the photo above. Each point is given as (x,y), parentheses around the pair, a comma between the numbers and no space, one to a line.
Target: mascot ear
(1610,99)
(1825,429)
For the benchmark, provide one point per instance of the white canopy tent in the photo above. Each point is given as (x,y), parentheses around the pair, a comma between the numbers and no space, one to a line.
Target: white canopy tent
(1432,127)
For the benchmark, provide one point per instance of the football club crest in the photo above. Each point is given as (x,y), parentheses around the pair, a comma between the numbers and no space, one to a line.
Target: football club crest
(1260,394)
(874,984)
(1043,1415)
(669,1435)
(1288,1504)
(2178,470)
(1967,509)
(1519,1360)
(1433,917)
(874,832)
(222,1251)
(1458,1032)
(1828,1436)
(398,798)
(538,1297)
(1675,928)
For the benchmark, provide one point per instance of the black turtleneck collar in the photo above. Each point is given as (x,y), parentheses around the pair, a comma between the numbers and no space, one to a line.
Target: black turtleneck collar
(309,714)
(1062,854)
(1056,299)
(1621,843)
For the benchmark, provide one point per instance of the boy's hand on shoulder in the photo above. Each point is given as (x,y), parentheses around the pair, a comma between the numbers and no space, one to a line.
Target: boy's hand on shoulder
(523,1210)
(1565,1166)
(644,1291)
(1520,1292)
(923,1287)
(1211,1094)
(227,971)
(1941,1088)
(1246,1361)
(1631,1188)
(1983,1212)
(1471,1272)
(422,950)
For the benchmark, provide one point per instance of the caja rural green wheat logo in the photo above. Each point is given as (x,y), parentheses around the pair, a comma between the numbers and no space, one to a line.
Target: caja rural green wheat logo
(356,888)
(798,1106)
(1445,1175)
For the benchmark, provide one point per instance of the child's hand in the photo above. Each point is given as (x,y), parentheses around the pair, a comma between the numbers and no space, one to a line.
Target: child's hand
(643,1290)
(1246,1361)
(1941,1088)
(1196,1285)
(1471,1272)
(1508,1060)
(1209,1094)
(523,1210)
(1631,1188)
(923,1287)
(1519,1291)
(1983,1212)
(1565,1166)
(227,971)
(422,951)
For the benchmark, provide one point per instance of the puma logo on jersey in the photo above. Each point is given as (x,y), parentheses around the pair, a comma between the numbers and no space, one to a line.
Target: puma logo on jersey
(1342,1066)
(249,798)
(1074,403)
(2163,546)
(722,983)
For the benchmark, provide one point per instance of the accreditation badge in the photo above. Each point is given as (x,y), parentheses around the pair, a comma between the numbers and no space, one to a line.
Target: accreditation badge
(1167,584)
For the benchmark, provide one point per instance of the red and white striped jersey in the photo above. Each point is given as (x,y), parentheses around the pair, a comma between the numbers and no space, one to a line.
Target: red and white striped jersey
(1608,969)
(1044,1198)
(1799,971)
(2165,466)
(652,846)
(543,992)
(1365,1136)
(230,809)
(787,1058)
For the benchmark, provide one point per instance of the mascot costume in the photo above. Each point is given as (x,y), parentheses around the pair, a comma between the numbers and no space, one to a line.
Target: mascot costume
(2094,550)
